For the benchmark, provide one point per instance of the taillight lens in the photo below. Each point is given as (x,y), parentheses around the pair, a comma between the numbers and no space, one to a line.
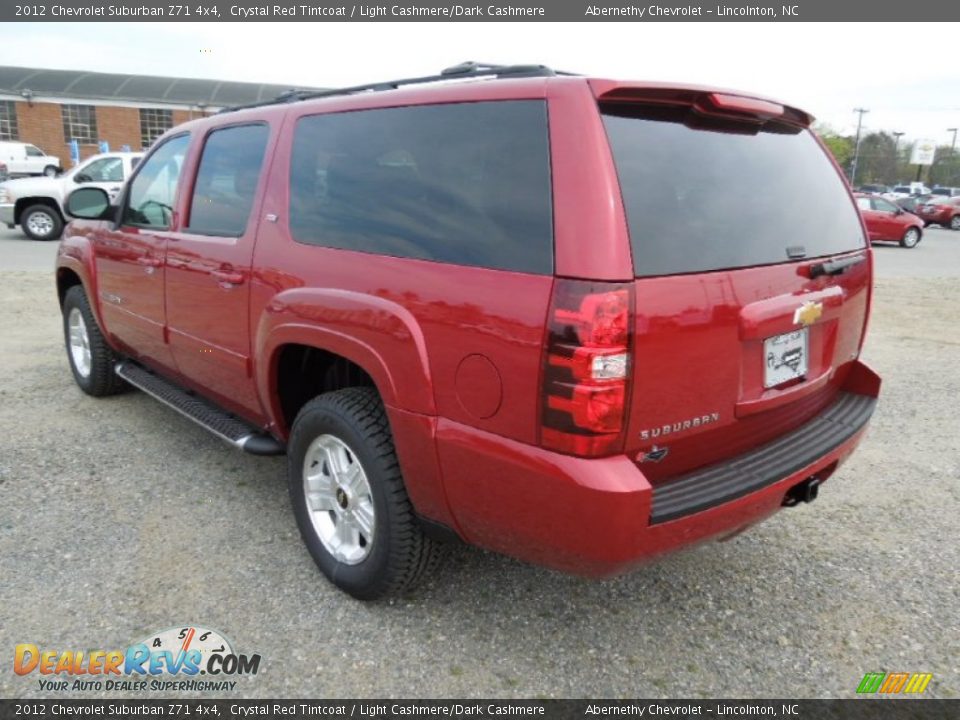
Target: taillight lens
(586,367)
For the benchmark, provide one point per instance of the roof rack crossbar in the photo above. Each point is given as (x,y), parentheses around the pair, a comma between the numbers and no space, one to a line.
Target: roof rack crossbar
(468,69)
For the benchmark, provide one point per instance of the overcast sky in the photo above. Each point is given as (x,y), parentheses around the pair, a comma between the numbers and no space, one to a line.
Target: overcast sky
(907,74)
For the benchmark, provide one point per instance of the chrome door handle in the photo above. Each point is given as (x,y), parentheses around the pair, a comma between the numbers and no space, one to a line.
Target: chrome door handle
(231,278)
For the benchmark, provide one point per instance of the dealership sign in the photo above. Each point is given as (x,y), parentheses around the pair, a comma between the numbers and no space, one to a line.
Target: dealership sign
(923,152)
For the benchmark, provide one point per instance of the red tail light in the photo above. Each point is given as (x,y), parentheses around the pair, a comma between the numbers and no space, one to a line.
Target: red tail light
(586,367)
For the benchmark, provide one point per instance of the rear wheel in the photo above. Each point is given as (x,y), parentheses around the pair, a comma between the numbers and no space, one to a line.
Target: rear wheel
(50,171)
(91,359)
(349,498)
(41,222)
(910,238)
(955,222)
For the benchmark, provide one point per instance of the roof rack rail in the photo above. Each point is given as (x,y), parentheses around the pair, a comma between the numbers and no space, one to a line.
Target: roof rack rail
(467,69)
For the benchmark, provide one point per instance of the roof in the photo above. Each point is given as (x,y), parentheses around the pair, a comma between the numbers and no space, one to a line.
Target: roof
(140,89)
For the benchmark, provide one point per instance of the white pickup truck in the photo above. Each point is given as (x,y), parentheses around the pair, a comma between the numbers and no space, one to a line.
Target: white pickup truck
(36,204)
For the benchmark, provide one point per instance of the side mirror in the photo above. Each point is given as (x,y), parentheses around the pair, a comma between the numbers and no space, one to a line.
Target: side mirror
(82,178)
(898,211)
(89,204)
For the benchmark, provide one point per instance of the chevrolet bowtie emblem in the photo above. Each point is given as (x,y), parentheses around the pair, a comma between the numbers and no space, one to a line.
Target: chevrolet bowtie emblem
(808,313)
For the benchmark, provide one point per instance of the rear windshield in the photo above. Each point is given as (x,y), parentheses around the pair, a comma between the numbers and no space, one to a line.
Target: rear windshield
(705,195)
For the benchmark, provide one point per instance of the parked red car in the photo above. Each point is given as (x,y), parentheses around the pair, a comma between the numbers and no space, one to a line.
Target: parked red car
(887,222)
(462,310)
(943,211)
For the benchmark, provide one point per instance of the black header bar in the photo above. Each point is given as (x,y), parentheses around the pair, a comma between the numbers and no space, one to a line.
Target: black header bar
(854,11)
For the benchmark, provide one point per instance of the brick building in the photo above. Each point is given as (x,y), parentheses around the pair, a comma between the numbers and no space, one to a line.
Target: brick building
(49,108)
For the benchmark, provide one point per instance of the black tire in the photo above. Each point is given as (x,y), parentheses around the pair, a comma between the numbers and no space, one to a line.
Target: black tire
(100,380)
(955,222)
(911,237)
(42,216)
(50,171)
(400,554)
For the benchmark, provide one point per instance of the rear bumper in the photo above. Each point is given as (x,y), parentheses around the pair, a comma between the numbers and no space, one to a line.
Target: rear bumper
(602,517)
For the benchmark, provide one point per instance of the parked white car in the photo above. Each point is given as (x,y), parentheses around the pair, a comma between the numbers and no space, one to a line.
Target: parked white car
(36,204)
(904,191)
(26,159)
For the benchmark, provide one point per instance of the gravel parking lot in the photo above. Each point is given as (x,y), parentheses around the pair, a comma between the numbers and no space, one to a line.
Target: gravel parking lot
(118,518)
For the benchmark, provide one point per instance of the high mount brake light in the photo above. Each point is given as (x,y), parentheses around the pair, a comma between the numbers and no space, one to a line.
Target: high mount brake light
(750,106)
(586,367)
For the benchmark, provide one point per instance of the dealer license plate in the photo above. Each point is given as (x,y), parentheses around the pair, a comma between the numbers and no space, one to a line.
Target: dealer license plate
(785,357)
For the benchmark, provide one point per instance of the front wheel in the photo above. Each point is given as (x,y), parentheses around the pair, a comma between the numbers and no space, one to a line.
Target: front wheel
(910,238)
(349,498)
(41,222)
(50,171)
(955,222)
(91,359)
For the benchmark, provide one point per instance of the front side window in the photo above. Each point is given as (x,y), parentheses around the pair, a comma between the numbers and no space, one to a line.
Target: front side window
(463,183)
(153,190)
(227,180)
(103,170)
(153,123)
(863,203)
(8,121)
(80,123)
(34,151)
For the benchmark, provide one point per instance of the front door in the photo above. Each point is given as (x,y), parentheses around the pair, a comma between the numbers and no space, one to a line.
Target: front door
(888,218)
(130,257)
(208,268)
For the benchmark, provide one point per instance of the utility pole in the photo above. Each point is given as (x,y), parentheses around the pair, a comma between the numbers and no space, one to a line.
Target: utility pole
(856,148)
(953,155)
(896,153)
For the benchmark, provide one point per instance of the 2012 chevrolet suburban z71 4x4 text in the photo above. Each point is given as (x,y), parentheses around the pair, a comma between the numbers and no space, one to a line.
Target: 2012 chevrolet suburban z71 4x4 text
(529,310)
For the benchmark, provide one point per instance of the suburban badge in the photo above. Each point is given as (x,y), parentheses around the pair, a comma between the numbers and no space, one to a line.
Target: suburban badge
(654,433)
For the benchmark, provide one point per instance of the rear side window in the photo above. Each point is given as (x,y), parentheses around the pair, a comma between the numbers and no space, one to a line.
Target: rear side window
(227,180)
(703,195)
(465,183)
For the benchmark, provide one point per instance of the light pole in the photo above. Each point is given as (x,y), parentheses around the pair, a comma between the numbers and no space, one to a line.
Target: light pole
(953,147)
(856,148)
(896,152)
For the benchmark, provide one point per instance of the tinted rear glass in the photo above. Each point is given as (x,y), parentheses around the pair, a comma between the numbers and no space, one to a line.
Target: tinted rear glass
(702,195)
(465,183)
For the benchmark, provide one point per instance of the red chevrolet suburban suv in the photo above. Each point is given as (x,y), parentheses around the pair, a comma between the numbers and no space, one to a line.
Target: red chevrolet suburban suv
(577,321)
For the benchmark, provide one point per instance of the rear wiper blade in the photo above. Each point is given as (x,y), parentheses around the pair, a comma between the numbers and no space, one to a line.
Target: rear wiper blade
(835,267)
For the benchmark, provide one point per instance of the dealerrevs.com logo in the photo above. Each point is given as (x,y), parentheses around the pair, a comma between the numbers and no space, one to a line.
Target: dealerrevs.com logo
(170,660)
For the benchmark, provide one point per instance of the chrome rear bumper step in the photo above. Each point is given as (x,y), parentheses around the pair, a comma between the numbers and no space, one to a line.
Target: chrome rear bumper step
(203,412)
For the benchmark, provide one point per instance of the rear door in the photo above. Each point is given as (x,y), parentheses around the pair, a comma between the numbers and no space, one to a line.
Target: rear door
(890,224)
(871,217)
(208,267)
(738,338)
(36,160)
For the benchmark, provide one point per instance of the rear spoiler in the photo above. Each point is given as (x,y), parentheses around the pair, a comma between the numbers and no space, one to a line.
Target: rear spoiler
(723,103)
